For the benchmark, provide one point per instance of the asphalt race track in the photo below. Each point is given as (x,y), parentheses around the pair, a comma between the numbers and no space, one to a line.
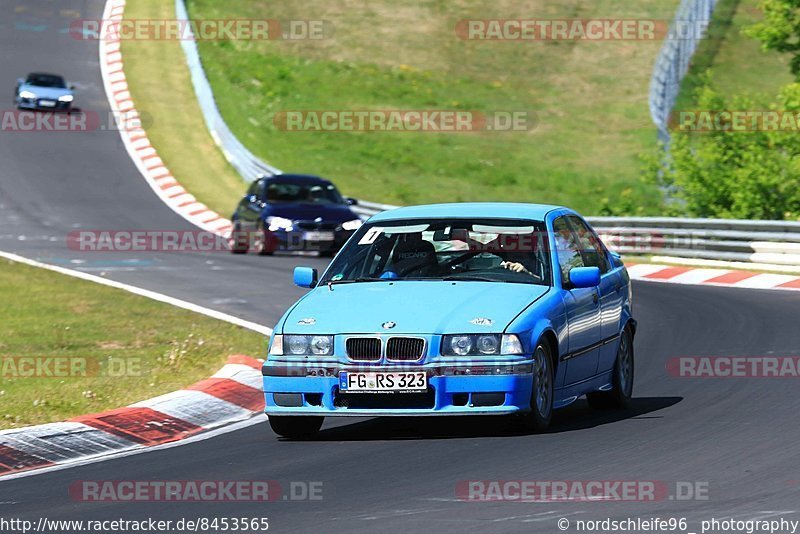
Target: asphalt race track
(738,436)
(57,182)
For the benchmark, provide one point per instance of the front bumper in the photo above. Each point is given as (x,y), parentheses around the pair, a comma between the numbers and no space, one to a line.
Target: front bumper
(297,241)
(36,104)
(464,389)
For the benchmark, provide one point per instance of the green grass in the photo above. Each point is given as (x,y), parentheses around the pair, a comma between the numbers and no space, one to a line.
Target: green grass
(49,315)
(162,91)
(737,63)
(590,99)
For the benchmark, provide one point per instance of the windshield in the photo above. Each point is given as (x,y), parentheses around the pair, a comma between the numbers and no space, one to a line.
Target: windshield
(493,250)
(314,193)
(46,80)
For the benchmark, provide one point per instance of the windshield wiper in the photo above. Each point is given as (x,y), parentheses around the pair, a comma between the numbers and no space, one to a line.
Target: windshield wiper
(330,283)
(468,278)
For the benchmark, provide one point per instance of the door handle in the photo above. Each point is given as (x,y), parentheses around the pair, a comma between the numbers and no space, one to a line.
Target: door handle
(595,298)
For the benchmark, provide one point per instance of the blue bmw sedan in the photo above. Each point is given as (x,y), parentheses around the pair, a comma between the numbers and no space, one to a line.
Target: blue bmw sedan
(456,309)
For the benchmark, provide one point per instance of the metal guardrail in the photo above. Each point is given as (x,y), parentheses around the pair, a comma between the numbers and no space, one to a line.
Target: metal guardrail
(687,30)
(368,209)
(762,242)
(247,164)
(751,241)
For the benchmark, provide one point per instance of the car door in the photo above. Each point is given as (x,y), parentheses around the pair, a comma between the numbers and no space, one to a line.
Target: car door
(582,306)
(250,207)
(611,290)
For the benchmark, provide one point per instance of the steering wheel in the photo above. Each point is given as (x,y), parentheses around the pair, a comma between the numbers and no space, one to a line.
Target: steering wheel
(460,259)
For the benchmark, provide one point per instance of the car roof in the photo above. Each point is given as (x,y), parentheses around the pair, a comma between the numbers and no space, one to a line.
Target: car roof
(487,210)
(298,179)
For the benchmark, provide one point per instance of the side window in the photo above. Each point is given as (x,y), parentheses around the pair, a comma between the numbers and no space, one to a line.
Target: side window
(569,252)
(262,190)
(594,254)
(254,188)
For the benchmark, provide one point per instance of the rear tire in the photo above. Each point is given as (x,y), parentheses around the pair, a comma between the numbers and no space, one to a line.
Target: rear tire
(619,397)
(538,419)
(296,426)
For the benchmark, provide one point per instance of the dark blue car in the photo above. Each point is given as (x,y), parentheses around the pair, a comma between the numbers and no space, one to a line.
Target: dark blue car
(292,212)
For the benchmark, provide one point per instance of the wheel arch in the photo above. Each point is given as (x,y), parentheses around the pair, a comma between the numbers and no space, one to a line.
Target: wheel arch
(548,335)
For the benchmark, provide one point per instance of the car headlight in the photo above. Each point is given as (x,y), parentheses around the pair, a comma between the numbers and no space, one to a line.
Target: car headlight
(352,225)
(27,94)
(481,345)
(66,98)
(459,345)
(488,344)
(279,223)
(321,345)
(297,345)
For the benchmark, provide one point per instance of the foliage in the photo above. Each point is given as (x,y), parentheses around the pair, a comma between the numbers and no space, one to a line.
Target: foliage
(780,29)
(752,174)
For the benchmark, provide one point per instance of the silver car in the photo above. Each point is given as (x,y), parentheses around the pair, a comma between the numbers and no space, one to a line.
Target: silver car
(41,91)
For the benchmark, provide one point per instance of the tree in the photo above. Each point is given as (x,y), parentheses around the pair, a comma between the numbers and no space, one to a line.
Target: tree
(753,174)
(780,29)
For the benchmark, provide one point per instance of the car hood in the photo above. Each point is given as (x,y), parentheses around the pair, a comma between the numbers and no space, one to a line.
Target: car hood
(45,92)
(338,213)
(422,307)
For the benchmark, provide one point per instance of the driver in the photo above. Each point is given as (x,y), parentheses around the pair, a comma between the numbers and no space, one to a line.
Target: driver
(515,251)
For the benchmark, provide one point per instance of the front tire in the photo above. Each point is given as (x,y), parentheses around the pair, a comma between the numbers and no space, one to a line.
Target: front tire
(296,426)
(263,243)
(538,419)
(621,393)
(238,240)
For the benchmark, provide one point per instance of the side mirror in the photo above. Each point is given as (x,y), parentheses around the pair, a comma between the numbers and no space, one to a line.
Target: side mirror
(306,277)
(585,277)
(71,87)
(20,81)
(351,201)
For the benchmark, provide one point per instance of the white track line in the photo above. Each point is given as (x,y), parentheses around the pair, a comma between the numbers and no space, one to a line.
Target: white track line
(160,297)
